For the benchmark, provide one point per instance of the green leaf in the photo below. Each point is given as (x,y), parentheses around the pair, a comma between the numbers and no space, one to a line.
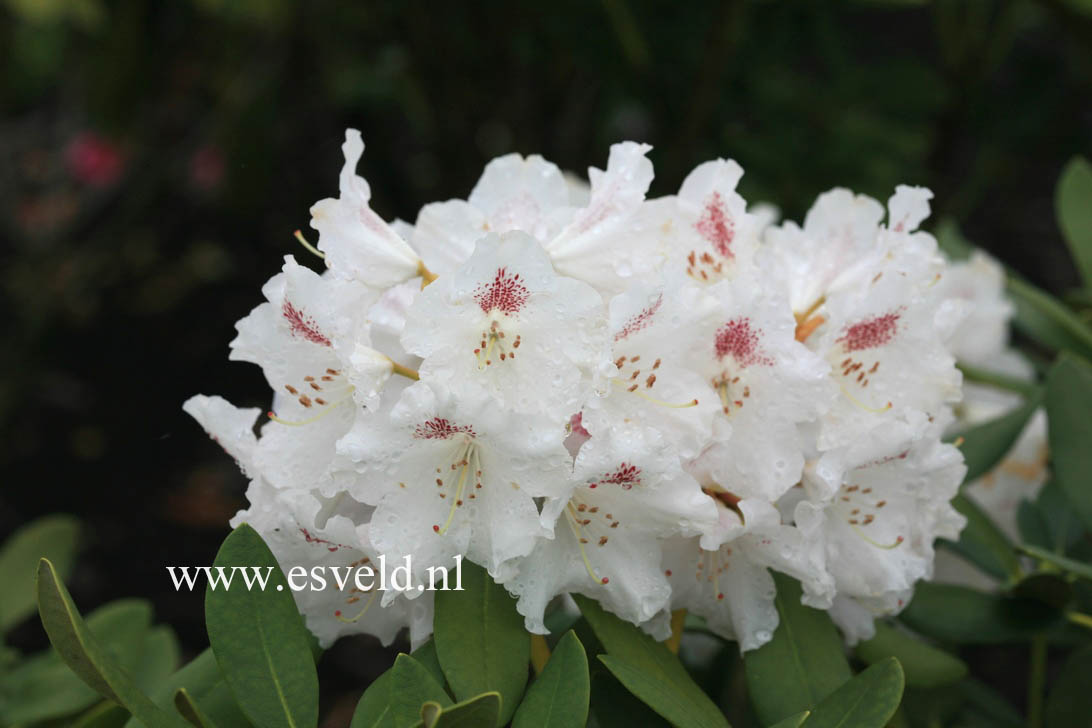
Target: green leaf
(43,687)
(394,700)
(189,710)
(204,682)
(86,655)
(426,655)
(159,658)
(1072,566)
(649,670)
(480,640)
(984,544)
(986,444)
(478,712)
(962,615)
(259,639)
(793,721)
(1073,206)
(803,663)
(867,701)
(612,706)
(52,537)
(1070,700)
(925,666)
(106,714)
(1068,403)
(559,697)
(1047,320)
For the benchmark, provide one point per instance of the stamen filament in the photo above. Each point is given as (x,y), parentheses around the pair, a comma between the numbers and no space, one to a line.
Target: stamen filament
(298,423)
(864,406)
(310,248)
(406,372)
(580,545)
(653,400)
(350,620)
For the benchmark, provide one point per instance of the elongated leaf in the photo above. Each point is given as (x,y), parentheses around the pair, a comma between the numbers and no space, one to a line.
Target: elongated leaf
(1073,206)
(1077,568)
(394,700)
(426,655)
(793,721)
(867,701)
(613,706)
(43,687)
(259,639)
(924,666)
(962,615)
(986,444)
(480,640)
(189,710)
(803,663)
(559,697)
(52,537)
(1070,701)
(984,544)
(1069,402)
(87,656)
(478,712)
(1047,320)
(649,670)
(159,658)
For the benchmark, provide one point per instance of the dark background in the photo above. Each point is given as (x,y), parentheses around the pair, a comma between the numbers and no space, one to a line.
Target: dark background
(156,157)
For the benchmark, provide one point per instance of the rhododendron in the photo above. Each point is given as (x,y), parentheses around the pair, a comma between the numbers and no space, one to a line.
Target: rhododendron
(651,402)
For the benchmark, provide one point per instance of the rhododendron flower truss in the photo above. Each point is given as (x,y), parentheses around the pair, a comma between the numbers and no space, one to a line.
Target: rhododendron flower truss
(650,402)
(630,494)
(455,476)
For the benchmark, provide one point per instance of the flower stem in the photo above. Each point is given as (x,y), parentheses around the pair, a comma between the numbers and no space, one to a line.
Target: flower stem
(1001,381)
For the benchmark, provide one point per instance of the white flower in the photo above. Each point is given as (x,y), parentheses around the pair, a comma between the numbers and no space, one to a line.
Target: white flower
(513,193)
(356,241)
(327,538)
(630,493)
(506,326)
(230,427)
(651,333)
(765,383)
(300,337)
(984,333)
(597,245)
(724,576)
(455,476)
(876,520)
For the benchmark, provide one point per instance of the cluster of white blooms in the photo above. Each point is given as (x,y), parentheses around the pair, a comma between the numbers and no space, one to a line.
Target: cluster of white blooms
(650,402)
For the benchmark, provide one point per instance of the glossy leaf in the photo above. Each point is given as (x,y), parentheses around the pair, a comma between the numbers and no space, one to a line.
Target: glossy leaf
(962,615)
(923,665)
(259,639)
(480,640)
(394,700)
(803,663)
(478,712)
(1069,402)
(203,681)
(1073,207)
(1070,701)
(86,655)
(983,446)
(984,544)
(867,701)
(649,670)
(52,537)
(426,655)
(559,697)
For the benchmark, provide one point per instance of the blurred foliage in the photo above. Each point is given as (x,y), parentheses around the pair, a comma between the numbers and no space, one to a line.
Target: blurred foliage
(155,158)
